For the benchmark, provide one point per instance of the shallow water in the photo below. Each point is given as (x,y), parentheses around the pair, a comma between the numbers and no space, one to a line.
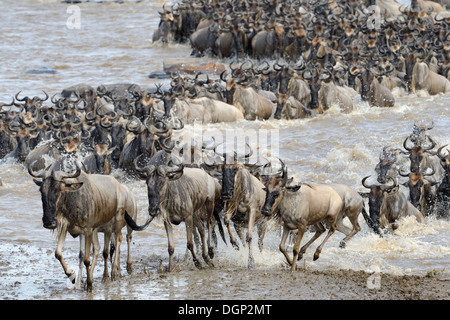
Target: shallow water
(114,45)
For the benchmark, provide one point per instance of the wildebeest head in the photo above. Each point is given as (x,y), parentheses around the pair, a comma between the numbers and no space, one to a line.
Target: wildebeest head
(387,166)
(30,104)
(419,135)
(268,78)
(314,87)
(376,197)
(417,154)
(169,96)
(22,134)
(158,170)
(445,159)
(51,187)
(366,76)
(274,187)
(410,61)
(419,186)
(229,169)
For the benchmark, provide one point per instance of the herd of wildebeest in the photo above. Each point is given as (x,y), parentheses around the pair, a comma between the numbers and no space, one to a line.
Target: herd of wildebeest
(289,59)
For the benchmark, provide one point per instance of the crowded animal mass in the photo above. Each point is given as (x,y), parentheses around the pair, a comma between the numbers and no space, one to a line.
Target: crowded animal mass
(303,72)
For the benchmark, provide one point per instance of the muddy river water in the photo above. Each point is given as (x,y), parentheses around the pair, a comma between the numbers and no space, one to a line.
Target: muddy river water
(113,44)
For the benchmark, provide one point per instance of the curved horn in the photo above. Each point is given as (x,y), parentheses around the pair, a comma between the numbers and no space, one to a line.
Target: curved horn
(284,173)
(39,174)
(387,187)
(17,96)
(363,181)
(439,154)
(404,144)
(60,175)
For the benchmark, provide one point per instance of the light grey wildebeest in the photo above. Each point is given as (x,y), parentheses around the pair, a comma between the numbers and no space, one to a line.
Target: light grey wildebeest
(299,207)
(243,196)
(180,194)
(80,203)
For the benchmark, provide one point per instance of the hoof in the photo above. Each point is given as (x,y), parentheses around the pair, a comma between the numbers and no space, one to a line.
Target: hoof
(342,244)
(316,256)
(129,269)
(211,253)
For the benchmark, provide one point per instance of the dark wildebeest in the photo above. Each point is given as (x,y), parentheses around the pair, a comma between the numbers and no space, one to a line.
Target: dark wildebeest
(421,194)
(387,204)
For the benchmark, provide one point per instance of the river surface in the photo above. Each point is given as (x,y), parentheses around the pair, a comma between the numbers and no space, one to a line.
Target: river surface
(113,44)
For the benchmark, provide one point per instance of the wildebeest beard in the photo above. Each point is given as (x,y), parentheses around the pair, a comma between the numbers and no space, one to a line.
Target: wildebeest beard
(228,176)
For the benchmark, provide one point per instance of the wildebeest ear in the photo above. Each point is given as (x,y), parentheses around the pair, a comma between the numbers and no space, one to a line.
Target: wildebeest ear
(174,176)
(38,182)
(73,186)
(393,190)
(294,188)
(364,194)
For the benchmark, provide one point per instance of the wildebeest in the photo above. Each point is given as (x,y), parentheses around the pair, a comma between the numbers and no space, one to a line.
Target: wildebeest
(203,40)
(374,92)
(443,191)
(425,79)
(292,109)
(82,91)
(331,94)
(254,105)
(299,207)
(79,203)
(421,194)
(147,140)
(390,161)
(422,158)
(219,111)
(180,194)
(387,204)
(243,196)
(166,28)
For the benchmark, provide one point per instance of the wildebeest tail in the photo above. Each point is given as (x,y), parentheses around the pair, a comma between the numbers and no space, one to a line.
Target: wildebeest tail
(133,224)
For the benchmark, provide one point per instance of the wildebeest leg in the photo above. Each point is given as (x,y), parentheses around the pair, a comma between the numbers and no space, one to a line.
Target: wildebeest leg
(251,260)
(282,247)
(129,262)
(233,241)
(189,222)
(240,232)
(106,242)
(58,254)
(201,229)
(211,222)
(319,248)
(80,266)
(356,228)
(115,269)
(96,245)
(319,230)
(87,259)
(262,227)
(341,227)
(171,247)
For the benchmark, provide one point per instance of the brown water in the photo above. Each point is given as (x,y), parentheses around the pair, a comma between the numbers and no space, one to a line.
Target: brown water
(114,45)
